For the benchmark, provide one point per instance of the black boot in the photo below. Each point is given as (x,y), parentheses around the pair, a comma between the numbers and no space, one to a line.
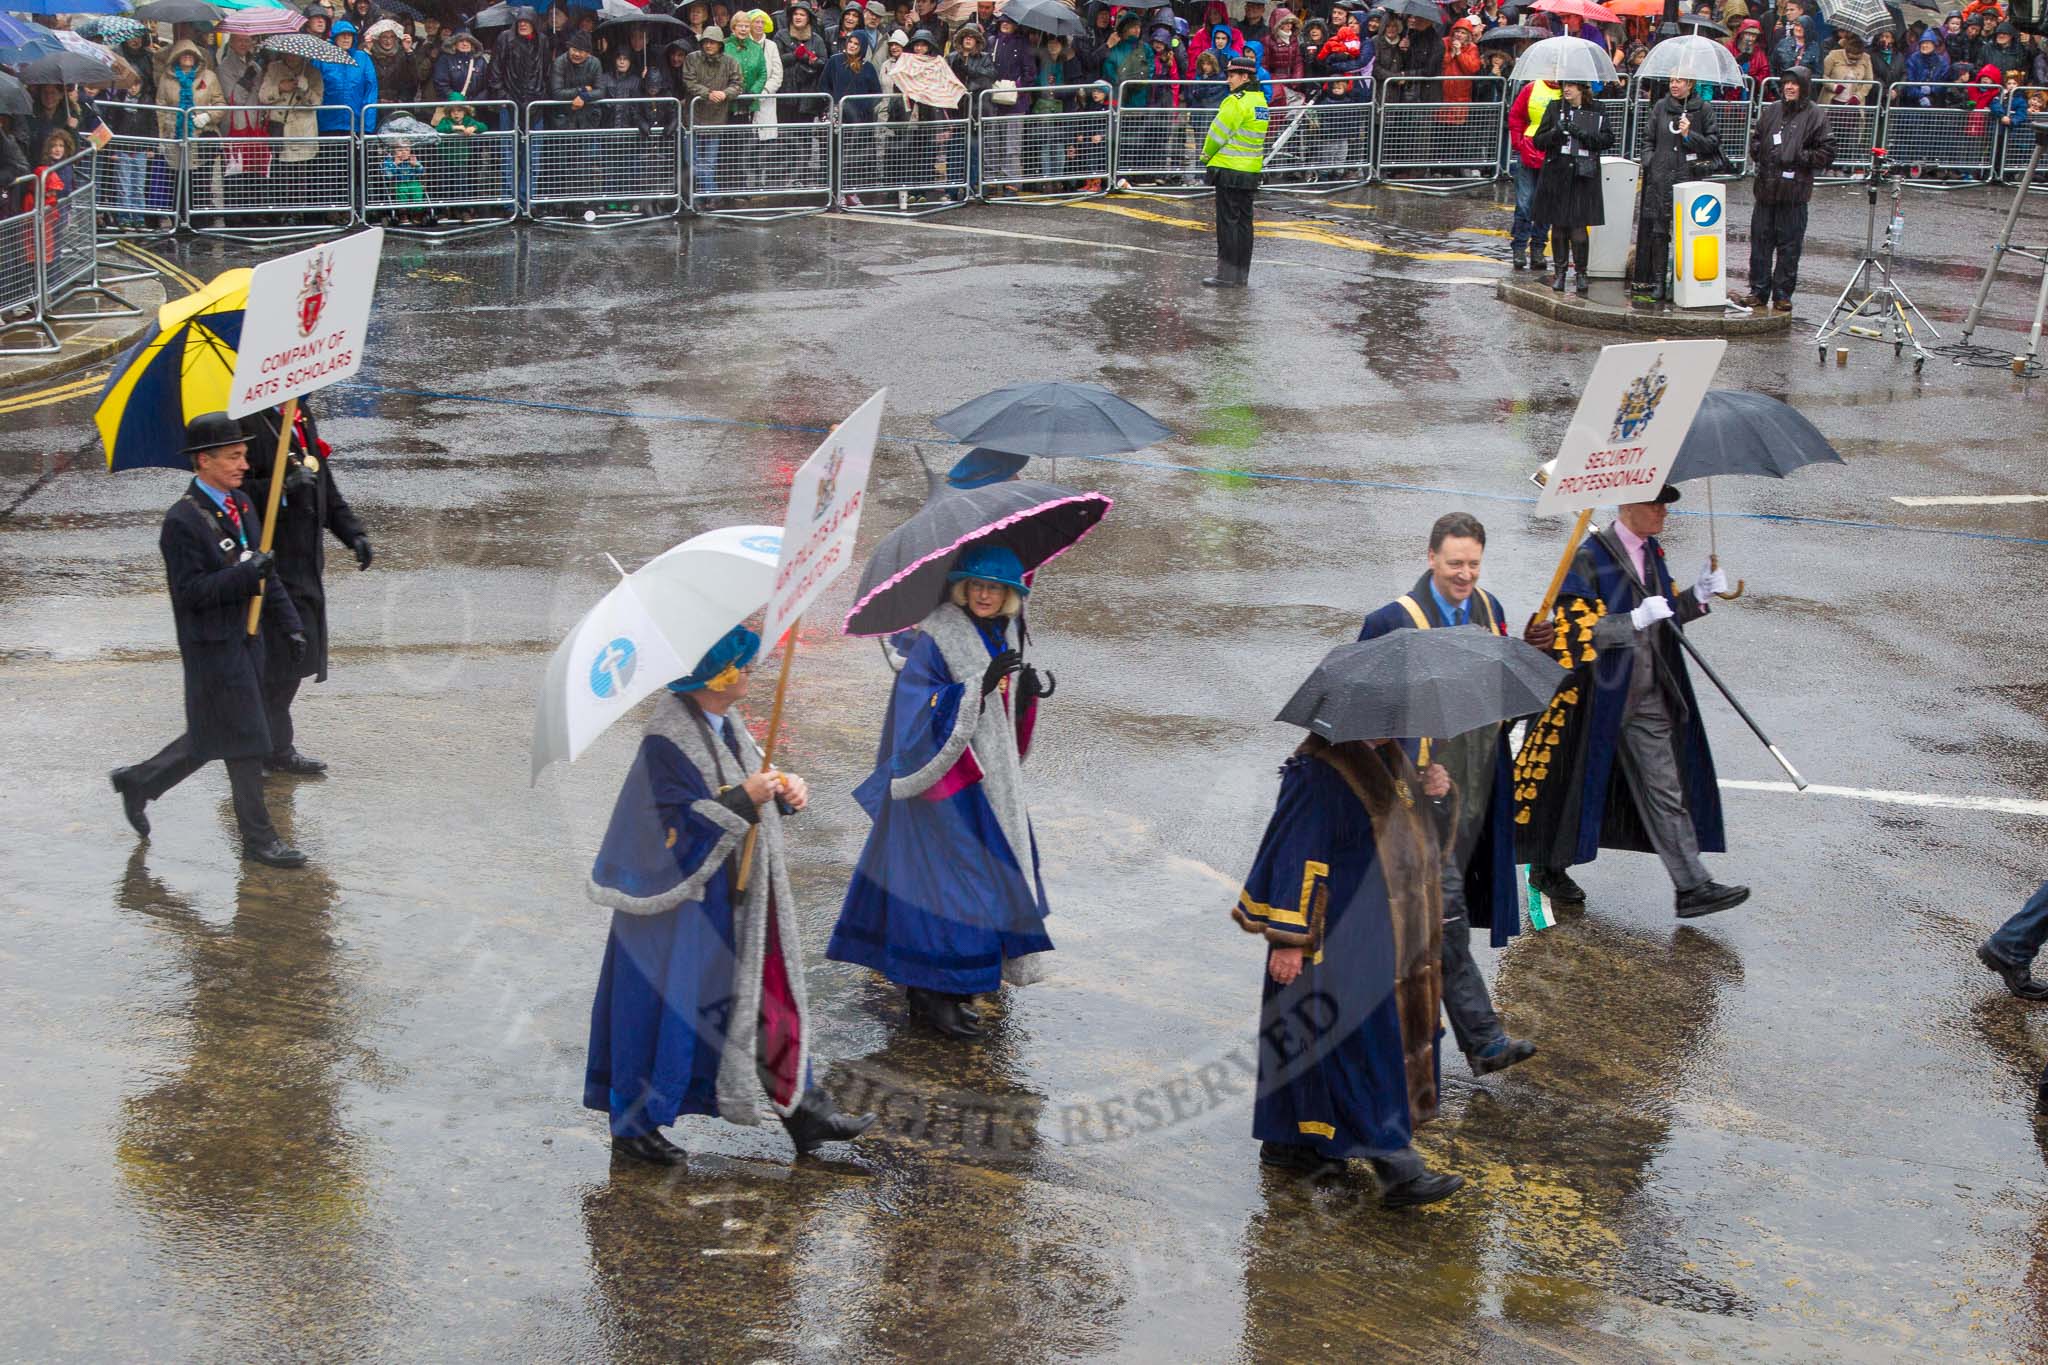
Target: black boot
(1224,277)
(1709,899)
(817,1122)
(652,1148)
(1536,258)
(943,1012)
(2019,980)
(1293,1156)
(1427,1188)
(293,762)
(1557,280)
(1501,1054)
(1580,284)
(132,801)
(1557,884)
(1521,256)
(274,852)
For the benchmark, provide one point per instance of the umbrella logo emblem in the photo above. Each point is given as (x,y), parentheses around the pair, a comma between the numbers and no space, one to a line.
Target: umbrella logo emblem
(613,668)
(313,287)
(763,545)
(1706,211)
(1639,403)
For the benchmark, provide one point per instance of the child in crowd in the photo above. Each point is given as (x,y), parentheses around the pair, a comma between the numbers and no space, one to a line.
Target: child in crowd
(455,154)
(408,181)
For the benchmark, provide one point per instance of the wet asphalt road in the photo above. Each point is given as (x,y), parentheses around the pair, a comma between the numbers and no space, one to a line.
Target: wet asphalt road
(333,1114)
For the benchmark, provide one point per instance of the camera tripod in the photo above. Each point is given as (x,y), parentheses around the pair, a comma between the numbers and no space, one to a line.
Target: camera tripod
(2025,363)
(1871,305)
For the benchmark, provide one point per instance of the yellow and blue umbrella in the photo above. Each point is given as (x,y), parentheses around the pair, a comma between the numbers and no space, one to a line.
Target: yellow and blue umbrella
(184,367)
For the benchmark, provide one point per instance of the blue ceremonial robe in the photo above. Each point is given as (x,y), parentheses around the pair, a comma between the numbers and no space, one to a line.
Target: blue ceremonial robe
(1490,876)
(1571,794)
(671,986)
(942,895)
(1332,1070)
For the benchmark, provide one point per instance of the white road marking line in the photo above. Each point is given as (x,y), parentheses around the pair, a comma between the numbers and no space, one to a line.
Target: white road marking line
(2004,805)
(738,1251)
(1972,500)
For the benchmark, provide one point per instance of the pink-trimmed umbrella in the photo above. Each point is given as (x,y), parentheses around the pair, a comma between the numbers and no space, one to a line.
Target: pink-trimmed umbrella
(1579,9)
(905,578)
(263,21)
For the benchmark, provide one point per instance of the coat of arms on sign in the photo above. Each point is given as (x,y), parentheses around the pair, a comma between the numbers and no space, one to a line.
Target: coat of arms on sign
(313,290)
(828,483)
(1639,403)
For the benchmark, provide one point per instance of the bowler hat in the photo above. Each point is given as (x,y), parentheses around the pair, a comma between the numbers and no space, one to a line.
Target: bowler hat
(1243,64)
(991,564)
(211,430)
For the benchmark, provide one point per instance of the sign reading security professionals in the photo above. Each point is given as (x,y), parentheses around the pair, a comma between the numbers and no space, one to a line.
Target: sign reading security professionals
(307,319)
(1631,420)
(825,503)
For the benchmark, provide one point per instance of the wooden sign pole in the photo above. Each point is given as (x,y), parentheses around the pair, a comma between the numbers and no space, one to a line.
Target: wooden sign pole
(1564,563)
(768,749)
(284,446)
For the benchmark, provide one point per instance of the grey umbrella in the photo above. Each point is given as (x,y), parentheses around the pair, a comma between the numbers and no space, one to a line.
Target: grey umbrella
(1514,33)
(1047,16)
(905,577)
(1426,10)
(497,16)
(65,68)
(179,12)
(1736,432)
(1053,417)
(1418,684)
(13,97)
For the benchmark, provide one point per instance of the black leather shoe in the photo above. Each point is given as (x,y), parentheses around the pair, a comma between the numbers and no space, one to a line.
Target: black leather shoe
(943,1012)
(2019,980)
(1557,281)
(1220,280)
(817,1122)
(132,801)
(1426,1188)
(1710,899)
(1581,285)
(274,852)
(1502,1055)
(1557,884)
(1291,1156)
(652,1148)
(1521,258)
(293,762)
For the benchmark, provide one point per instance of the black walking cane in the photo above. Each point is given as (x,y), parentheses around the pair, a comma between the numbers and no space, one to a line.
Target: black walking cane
(1748,719)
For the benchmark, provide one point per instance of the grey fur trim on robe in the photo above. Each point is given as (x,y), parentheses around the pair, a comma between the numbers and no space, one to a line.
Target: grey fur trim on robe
(741,1095)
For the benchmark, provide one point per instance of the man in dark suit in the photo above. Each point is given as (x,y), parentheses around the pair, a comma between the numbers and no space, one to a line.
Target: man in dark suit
(210,560)
(311,509)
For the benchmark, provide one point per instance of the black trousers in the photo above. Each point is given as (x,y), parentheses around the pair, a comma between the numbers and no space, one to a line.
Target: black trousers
(277,710)
(1653,249)
(1777,234)
(176,762)
(1234,225)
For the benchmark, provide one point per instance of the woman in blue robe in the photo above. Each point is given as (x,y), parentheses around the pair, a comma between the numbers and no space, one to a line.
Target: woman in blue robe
(700,1003)
(947,901)
(1346,890)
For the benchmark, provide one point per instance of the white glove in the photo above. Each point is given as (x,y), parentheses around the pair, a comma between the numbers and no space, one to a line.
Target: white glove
(1653,610)
(1710,581)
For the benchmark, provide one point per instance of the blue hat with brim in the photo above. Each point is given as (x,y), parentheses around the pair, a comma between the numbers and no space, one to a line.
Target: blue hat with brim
(979,468)
(991,564)
(736,650)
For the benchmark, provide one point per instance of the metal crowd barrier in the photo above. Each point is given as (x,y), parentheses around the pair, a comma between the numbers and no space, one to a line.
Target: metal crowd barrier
(610,163)
(1049,156)
(1949,134)
(1438,143)
(445,184)
(1617,99)
(139,195)
(1733,119)
(1157,147)
(21,269)
(270,187)
(918,161)
(1318,140)
(67,231)
(2019,142)
(1856,128)
(773,160)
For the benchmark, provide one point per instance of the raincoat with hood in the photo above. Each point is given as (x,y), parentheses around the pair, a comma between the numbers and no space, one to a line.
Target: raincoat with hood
(1790,143)
(462,68)
(195,95)
(519,61)
(352,84)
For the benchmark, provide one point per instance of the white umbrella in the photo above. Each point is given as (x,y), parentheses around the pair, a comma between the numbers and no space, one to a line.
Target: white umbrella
(1564,59)
(1693,58)
(651,628)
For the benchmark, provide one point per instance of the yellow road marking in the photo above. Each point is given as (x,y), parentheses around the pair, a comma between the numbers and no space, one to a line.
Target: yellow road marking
(1485,232)
(1286,230)
(59,393)
(170,268)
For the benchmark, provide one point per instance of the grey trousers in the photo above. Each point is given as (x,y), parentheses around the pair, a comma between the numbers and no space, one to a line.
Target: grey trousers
(1651,763)
(1473,1022)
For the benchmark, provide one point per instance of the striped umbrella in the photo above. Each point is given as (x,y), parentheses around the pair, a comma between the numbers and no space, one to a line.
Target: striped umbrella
(264,20)
(184,367)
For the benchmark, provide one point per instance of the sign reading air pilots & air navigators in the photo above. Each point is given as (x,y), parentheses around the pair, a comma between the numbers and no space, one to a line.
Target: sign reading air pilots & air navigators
(818,530)
(1631,419)
(307,320)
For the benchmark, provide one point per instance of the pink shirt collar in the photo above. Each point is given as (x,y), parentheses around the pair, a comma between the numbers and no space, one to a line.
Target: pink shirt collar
(1635,545)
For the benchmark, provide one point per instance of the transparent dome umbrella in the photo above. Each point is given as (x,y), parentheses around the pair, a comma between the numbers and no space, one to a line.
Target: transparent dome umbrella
(1564,59)
(1692,58)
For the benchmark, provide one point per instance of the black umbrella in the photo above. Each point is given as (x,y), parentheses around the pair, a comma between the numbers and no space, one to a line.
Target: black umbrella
(179,12)
(1419,684)
(400,10)
(304,45)
(65,68)
(1700,23)
(1047,16)
(1053,417)
(650,17)
(14,97)
(1737,432)
(1426,10)
(1514,33)
(497,16)
(905,577)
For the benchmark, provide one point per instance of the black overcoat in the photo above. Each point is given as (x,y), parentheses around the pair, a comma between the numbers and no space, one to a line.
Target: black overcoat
(210,592)
(300,545)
